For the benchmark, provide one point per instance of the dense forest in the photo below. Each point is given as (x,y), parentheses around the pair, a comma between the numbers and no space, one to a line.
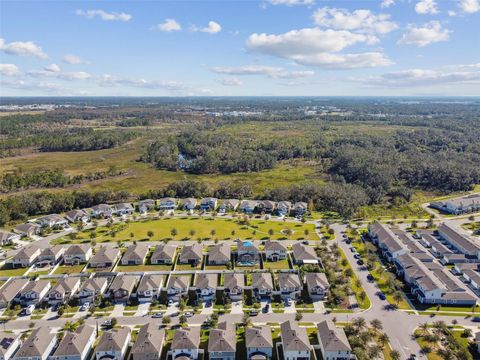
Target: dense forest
(364,151)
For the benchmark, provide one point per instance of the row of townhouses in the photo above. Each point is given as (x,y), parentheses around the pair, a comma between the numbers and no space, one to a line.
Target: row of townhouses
(429,281)
(462,205)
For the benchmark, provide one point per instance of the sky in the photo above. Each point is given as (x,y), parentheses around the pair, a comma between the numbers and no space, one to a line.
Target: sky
(240,48)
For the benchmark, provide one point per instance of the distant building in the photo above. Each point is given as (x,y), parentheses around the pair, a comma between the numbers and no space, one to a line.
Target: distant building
(462,205)
(163,254)
(7,238)
(135,254)
(149,287)
(208,204)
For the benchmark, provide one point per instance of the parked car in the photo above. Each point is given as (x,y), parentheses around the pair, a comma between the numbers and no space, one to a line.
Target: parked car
(357,256)
(352,249)
(288,301)
(381,296)
(370,277)
(107,323)
(170,302)
(476,319)
(360,262)
(266,308)
(157,315)
(188,314)
(29,310)
(305,242)
(253,312)
(85,306)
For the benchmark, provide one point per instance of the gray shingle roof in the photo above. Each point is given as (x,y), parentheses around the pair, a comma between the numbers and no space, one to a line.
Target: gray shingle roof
(332,338)
(74,343)
(149,340)
(258,337)
(294,337)
(36,344)
(186,338)
(223,339)
(113,340)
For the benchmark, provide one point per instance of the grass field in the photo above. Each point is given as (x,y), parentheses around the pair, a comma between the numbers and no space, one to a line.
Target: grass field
(7,271)
(69,269)
(276,265)
(203,227)
(146,267)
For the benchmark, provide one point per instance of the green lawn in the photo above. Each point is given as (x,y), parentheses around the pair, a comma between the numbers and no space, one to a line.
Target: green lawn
(145,267)
(203,227)
(357,290)
(69,269)
(276,265)
(6,271)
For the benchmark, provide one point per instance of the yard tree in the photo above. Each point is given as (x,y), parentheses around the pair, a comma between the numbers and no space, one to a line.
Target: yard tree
(213,232)
(271,232)
(166,320)
(384,339)
(397,297)
(93,235)
(174,232)
(192,232)
(395,355)
(376,324)
(150,233)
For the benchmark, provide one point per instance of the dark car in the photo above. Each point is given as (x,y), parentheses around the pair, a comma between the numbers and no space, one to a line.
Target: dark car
(305,242)
(352,249)
(381,296)
(370,277)
(360,262)
(266,308)
(253,312)
(357,256)
(476,319)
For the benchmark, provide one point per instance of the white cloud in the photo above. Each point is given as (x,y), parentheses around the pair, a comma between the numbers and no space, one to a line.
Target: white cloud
(463,74)
(387,3)
(231,82)
(359,20)
(168,25)
(425,34)
(426,7)
(344,61)
(52,68)
(211,28)
(54,71)
(111,80)
(74,60)
(105,16)
(316,47)
(305,41)
(22,48)
(9,70)
(291,2)
(469,6)
(451,13)
(270,71)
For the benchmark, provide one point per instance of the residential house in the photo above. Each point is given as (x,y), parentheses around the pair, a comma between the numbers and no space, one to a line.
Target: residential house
(208,204)
(101,211)
(168,203)
(104,258)
(27,229)
(289,285)
(300,208)
(10,289)
(262,284)
(122,287)
(458,241)
(462,205)
(146,205)
(7,237)
(78,215)
(248,206)
(33,293)
(9,343)
(26,257)
(38,345)
(206,285)
(275,251)
(317,285)
(63,290)
(284,208)
(333,342)
(51,255)
(135,254)
(247,254)
(91,288)
(219,254)
(178,286)
(228,205)
(149,343)
(234,284)
(295,343)
(188,204)
(163,254)
(77,254)
(186,343)
(304,254)
(149,287)
(266,206)
(222,342)
(113,344)
(259,342)
(76,345)
(52,220)
(191,254)
(473,278)
(123,209)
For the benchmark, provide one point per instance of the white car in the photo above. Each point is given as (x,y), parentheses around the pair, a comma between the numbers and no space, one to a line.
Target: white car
(289,301)
(188,314)
(85,306)
(157,315)
(170,302)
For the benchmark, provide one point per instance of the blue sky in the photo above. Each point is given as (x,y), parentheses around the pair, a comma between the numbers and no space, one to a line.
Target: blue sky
(226,48)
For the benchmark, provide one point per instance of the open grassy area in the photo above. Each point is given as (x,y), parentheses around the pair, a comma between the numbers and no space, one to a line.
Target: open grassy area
(7,271)
(203,228)
(365,304)
(69,269)
(276,265)
(145,267)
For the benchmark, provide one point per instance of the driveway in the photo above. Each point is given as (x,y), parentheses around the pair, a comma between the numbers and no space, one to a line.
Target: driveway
(117,310)
(142,309)
(237,307)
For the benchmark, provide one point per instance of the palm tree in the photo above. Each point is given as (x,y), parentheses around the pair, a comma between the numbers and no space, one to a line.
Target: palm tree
(397,297)
(395,355)
(374,351)
(173,232)
(376,325)
(359,323)
(424,328)
(384,339)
